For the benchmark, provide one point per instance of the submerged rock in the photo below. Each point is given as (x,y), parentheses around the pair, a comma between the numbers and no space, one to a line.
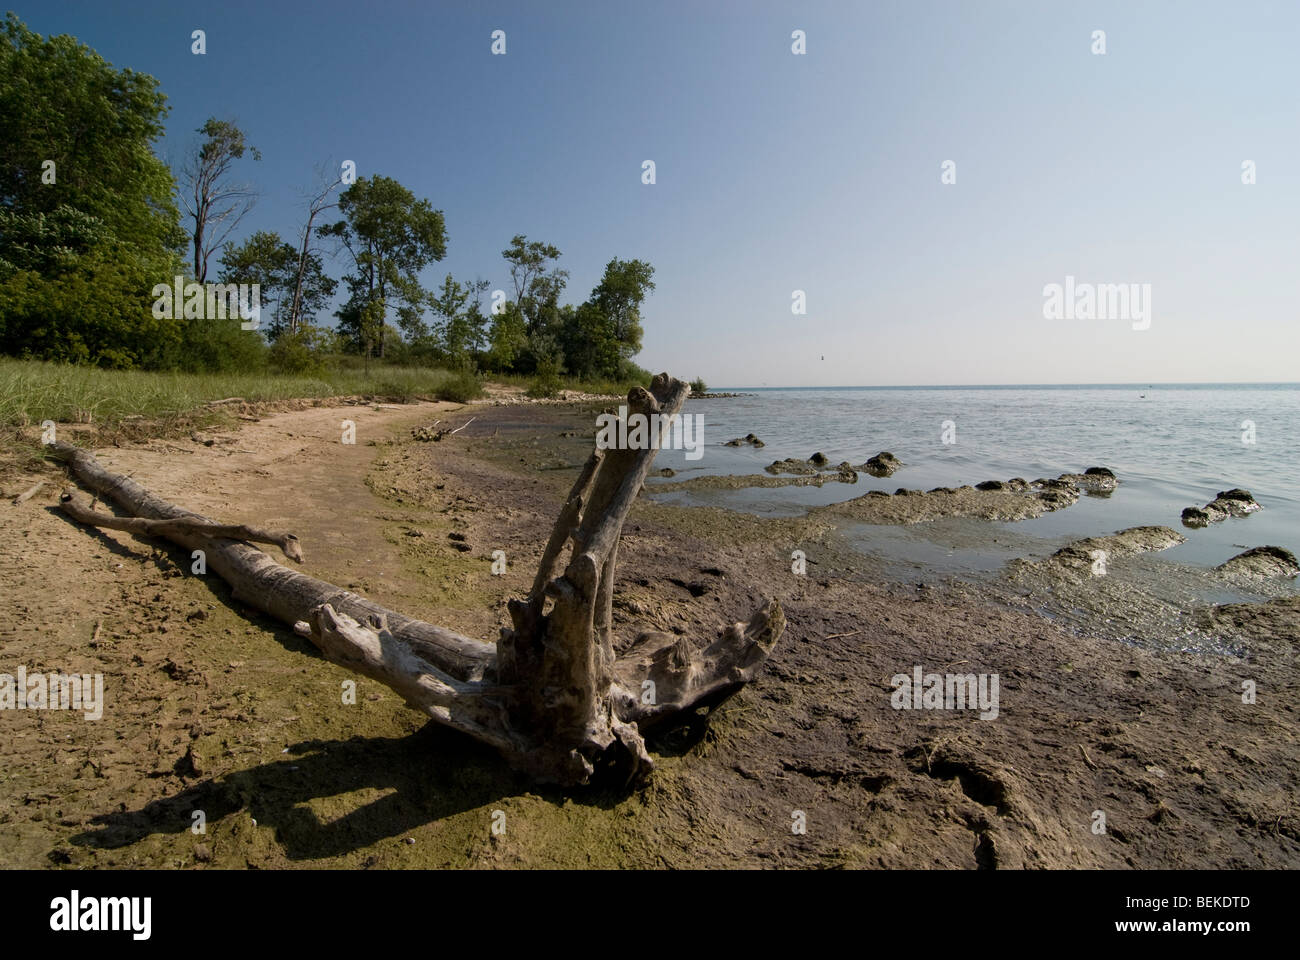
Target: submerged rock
(1227,503)
(993,500)
(1274,621)
(738,482)
(1261,563)
(882,464)
(1236,501)
(790,465)
(1090,550)
(748,438)
(814,464)
(1094,479)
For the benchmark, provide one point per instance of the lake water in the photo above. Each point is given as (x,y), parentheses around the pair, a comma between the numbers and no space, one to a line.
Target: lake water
(1171,446)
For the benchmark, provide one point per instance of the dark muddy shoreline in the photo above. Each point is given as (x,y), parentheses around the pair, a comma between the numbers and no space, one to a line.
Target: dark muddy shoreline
(230,713)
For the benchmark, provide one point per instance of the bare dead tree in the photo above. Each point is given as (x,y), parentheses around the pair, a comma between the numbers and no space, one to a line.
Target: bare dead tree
(214,202)
(317,205)
(556,695)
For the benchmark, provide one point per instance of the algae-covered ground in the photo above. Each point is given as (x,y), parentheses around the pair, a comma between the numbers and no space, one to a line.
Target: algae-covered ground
(218,718)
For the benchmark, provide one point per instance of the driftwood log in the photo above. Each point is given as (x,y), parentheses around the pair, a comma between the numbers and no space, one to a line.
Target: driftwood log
(554,695)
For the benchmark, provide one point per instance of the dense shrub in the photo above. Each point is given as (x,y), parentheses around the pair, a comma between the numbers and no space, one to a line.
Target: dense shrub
(460,387)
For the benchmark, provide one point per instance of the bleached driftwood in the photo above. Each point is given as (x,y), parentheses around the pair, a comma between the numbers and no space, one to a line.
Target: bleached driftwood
(554,696)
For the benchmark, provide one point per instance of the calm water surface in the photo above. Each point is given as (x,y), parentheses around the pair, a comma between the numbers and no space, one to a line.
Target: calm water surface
(1170,446)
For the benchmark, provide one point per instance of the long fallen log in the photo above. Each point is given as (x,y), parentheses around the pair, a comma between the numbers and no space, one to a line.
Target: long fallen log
(552,695)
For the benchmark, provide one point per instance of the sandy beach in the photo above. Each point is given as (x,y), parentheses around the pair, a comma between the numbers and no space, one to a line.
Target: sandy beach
(1101,753)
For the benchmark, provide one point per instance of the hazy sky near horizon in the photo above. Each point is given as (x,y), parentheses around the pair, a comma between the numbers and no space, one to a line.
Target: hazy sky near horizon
(778,172)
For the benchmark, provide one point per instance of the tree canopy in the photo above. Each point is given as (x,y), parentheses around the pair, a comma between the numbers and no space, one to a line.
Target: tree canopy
(88,223)
(390,236)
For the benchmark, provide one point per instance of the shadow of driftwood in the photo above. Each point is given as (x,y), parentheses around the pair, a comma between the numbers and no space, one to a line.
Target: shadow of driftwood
(431,774)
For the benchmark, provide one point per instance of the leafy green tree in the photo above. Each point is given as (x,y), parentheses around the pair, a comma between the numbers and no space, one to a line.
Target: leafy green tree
(390,237)
(619,296)
(88,223)
(537,281)
(265,259)
(63,103)
(538,284)
(588,346)
(507,338)
(94,310)
(602,335)
(461,325)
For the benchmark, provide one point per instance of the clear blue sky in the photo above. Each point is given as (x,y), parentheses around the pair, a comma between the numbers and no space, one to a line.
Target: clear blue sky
(819,172)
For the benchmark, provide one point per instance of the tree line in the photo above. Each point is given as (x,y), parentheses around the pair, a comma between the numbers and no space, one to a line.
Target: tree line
(91,220)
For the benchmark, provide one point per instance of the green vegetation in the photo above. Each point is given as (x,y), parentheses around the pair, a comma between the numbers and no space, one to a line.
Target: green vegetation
(459,387)
(547,383)
(88,223)
(698,386)
(31,392)
(91,234)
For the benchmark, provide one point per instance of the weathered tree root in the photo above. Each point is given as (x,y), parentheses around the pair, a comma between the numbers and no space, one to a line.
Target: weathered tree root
(552,696)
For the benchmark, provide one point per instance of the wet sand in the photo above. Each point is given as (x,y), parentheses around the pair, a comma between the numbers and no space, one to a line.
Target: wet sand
(211,707)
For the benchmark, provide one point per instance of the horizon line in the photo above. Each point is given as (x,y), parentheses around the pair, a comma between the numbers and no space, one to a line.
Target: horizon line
(1017,386)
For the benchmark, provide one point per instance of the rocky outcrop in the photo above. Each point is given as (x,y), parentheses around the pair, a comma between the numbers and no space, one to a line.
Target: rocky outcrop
(1261,563)
(1014,499)
(814,464)
(1093,480)
(1227,503)
(738,482)
(1014,485)
(882,464)
(1274,621)
(1090,550)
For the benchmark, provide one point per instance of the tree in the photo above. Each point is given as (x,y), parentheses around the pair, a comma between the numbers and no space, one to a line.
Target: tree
(588,345)
(76,133)
(461,325)
(619,296)
(602,335)
(317,205)
(507,338)
(88,223)
(537,283)
(212,200)
(390,237)
(267,260)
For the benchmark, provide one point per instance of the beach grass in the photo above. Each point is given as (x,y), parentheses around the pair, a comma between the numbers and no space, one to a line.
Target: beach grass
(34,391)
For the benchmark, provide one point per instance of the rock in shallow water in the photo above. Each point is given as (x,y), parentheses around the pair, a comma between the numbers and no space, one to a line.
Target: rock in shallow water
(1227,503)
(1261,563)
(882,464)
